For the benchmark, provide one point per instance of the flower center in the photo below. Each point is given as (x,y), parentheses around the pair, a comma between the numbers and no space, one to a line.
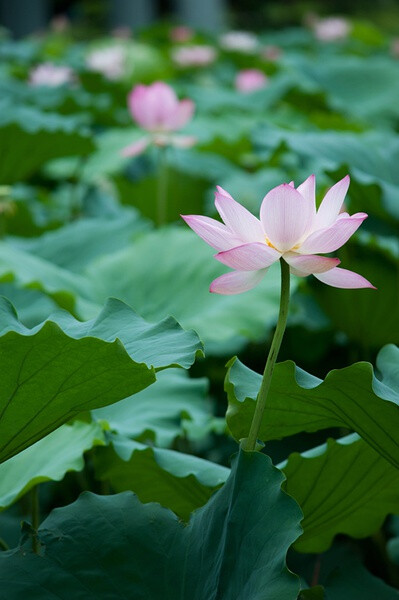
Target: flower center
(293,249)
(268,243)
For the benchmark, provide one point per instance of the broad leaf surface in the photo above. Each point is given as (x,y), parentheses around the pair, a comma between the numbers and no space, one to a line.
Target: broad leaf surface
(176,405)
(366,89)
(352,397)
(370,156)
(96,547)
(47,460)
(76,244)
(29,138)
(342,576)
(178,481)
(63,367)
(343,486)
(182,267)
(350,311)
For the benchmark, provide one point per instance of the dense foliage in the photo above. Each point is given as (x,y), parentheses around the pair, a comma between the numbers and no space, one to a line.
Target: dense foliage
(117,367)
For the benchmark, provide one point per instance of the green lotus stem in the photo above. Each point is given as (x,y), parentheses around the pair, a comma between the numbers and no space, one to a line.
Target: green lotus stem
(162,191)
(251,442)
(35,518)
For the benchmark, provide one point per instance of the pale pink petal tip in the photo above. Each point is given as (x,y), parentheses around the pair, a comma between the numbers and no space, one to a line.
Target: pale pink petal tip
(236,282)
(135,149)
(342,278)
(214,233)
(307,264)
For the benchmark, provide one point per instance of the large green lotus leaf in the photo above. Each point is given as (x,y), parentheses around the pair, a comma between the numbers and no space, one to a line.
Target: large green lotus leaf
(224,127)
(169,272)
(342,576)
(367,89)
(368,317)
(47,460)
(355,583)
(32,306)
(205,165)
(176,405)
(69,290)
(370,156)
(181,482)
(62,367)
(104,161)
(343,486)
(63,98)
(214,98)
(352,397)
(114,546)
(29,138)
(76,244)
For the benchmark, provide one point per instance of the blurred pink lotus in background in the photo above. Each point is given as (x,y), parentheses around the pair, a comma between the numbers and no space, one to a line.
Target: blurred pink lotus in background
(271,53)
(181,34)
(157,109)
(331,29)
(51,75)
(60,23)
(249,80)
(239,41)
(194,56)
(110,62)
(395,48)
(289,228)
(122,32)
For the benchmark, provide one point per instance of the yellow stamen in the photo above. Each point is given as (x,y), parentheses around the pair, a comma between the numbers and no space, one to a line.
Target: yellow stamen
(268,243)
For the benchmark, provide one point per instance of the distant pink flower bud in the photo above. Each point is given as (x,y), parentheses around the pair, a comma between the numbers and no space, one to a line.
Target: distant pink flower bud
(331,29)
(271,53)
(60,23)
(250,80)
(395,48)
(181,34)
(157,109)
(122,32)
(239,41)
(51,75)
(194,56)
(110,62)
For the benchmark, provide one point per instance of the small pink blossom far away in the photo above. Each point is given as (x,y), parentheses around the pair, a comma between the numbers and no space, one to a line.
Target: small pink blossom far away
(51,75)
(331,29)
(109,61)
(239,41)
(289,227)
(194,56)
(181,34)
(249,80)
(157,110)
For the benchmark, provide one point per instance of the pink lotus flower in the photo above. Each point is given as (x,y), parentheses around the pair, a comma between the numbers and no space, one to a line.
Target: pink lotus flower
(239,41)
(331,29)
(395,48)
(156,109)
(51,75)
(194,56)
(271,53)
(289,227)
(110,62)
(181,33)
(249,80)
